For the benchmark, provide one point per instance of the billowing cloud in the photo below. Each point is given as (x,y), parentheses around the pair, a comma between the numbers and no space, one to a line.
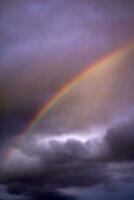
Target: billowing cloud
(70,163)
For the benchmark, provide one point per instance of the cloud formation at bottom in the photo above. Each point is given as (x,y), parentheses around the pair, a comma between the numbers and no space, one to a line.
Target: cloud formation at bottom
(43,170)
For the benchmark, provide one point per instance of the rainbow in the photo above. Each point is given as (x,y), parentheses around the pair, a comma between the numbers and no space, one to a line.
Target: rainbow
(47,106)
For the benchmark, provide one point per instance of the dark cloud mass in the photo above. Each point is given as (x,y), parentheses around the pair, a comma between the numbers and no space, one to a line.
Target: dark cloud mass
(84,147)
(120,140)
(71,164)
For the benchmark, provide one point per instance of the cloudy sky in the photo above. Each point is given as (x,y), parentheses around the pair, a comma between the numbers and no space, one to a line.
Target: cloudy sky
(83,148)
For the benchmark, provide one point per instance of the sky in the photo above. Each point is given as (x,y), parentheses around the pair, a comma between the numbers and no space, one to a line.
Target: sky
(83,147)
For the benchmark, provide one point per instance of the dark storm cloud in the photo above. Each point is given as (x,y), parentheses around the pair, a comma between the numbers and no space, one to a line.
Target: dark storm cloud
(36,170)
(20,191)
(60,166)
(36,192)
(120,141)
(8,196)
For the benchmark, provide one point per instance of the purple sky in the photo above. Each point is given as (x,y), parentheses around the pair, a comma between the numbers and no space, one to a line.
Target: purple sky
(85,143)
(45,44)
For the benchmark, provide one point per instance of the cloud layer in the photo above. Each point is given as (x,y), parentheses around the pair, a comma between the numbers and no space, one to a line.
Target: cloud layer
(72,163)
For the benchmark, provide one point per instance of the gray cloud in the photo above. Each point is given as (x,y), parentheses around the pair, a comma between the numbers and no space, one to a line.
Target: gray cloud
(33,169)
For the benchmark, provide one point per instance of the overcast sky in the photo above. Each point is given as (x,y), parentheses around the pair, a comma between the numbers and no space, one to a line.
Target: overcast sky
(84,147)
